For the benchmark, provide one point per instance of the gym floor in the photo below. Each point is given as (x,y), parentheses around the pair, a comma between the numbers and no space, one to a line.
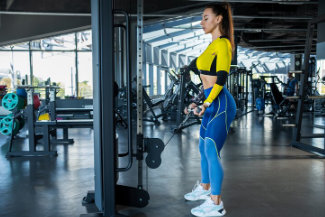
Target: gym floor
(264,175)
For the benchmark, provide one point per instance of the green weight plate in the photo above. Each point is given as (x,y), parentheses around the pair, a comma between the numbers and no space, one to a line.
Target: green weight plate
(11,101)
(6,126)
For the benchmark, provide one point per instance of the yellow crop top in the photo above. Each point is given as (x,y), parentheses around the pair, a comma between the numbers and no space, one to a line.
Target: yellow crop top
(215,61)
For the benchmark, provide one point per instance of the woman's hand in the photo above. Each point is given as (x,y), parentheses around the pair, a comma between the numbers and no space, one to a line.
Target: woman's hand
(192,106)
(204,107)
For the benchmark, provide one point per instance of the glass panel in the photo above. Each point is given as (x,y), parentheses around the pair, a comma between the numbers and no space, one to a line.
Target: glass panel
(321,68)
(162,81)
(62,42)
(85,74)
(14,66)
(19,46)
(154,80)
(84,40)
(59,66)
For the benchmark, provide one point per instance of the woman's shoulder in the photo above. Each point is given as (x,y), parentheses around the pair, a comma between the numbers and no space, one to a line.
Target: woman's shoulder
(223,41)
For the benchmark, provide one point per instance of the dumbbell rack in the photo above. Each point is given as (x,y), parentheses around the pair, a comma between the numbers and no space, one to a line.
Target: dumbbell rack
(32,138)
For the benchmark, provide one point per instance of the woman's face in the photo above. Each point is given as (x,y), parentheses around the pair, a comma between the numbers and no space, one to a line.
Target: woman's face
(209,21)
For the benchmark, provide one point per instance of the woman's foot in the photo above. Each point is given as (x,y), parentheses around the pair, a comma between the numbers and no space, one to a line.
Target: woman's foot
(209,208)
(198,193)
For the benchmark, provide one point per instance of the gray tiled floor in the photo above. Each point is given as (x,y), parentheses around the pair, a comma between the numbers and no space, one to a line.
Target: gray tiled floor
(264,176)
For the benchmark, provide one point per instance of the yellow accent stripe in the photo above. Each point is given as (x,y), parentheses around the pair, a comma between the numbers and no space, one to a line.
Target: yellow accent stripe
(226,115)
(203,126)
(214,146)
(216,115)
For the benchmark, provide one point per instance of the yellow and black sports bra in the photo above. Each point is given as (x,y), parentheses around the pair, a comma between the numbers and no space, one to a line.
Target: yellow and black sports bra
(216,57)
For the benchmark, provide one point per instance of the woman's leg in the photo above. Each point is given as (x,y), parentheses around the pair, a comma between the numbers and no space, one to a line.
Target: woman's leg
(214,140)
(205,179)
(216,134)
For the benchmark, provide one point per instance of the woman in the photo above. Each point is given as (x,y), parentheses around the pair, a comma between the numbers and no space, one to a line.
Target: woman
(219,108)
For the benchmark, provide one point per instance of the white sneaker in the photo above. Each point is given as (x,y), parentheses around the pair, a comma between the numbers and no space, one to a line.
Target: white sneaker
(209,208)
(198,193)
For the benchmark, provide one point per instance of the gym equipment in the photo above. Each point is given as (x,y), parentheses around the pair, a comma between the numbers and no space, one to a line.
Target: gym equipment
(12,101)
(14,121)
(21,92)
(260,104)
(190,116)
(305,76)
(36,101)
(44,117)
(186,92)
(9,125)
(241,86)
(21,122)
(151,105)
(107,193)
(33,137)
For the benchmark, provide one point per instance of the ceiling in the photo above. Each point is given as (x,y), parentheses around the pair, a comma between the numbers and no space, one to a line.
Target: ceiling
(265,25)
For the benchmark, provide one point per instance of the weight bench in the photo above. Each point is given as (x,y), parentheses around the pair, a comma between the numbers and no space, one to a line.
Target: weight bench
(76,113)
(65,125)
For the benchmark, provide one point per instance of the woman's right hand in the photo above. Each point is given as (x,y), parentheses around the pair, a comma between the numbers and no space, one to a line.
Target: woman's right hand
(192,107)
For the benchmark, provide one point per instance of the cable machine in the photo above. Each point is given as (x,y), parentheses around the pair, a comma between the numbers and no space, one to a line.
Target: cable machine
(107,193)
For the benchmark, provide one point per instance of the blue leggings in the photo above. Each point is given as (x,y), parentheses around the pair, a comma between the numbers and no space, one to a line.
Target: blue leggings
(213,132)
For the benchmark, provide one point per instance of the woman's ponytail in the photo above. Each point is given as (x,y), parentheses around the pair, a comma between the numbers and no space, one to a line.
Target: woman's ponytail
(230,25)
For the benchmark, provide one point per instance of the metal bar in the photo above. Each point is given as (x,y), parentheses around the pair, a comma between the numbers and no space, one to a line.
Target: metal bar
(151,79)
(267,2)
(277,40)
(31,153)
(104,128)
(77,71)
(319,126)
(308,148)
(271,17)
(303,81)
(33,50)
(271,29)
(245,29)
(158,80)
(180,103)
(34,13)
(279,46)
(30,63)
(129,88)
(31,120)
(289,125)
(140,144)
(315,135)
(166,79)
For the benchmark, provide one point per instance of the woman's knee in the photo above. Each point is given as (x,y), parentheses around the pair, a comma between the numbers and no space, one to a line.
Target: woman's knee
(211,149)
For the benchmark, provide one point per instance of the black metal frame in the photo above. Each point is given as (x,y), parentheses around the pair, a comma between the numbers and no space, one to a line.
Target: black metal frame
(303,95)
